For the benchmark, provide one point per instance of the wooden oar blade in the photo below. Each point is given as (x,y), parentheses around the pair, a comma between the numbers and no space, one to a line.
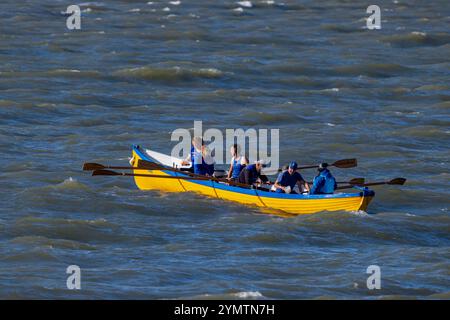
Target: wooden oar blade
(397,181)
(89,166)
(345,163)
(102,172)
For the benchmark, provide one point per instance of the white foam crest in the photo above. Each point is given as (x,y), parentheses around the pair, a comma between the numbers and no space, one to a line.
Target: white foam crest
(248,294)
(359,213)
(245,4)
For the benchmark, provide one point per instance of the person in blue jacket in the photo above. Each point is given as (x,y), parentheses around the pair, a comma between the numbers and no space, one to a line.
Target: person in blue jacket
(287,180)
(324,182)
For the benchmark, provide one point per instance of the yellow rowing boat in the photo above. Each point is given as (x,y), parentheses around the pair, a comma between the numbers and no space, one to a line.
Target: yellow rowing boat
(290,203)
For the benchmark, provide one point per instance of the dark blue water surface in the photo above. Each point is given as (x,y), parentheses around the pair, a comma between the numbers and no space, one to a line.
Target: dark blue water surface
(138,70)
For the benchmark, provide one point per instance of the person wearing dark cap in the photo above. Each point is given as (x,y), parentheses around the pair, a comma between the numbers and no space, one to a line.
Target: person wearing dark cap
(324,182)
(288,179)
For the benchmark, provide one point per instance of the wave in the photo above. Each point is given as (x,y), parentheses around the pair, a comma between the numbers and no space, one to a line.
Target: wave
(244,295)
(72,73)
(68,184)
(261,118)
(39,255)
(296,69)
(432,87)
(67,229)
(71,183)
(421,131)
(304,82)
(443,296)
(94,7)
(342,28)
(40,241)
(168,74)
(417,39)
(376,70)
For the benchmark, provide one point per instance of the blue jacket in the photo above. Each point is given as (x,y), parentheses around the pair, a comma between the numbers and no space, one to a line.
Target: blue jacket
(324,183)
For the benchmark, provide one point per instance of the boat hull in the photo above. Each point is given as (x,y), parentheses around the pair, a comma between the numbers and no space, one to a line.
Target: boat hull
(289,203)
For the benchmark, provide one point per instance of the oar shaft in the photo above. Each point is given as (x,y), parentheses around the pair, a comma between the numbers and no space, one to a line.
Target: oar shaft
(162,176)
(307,167)
(362,185)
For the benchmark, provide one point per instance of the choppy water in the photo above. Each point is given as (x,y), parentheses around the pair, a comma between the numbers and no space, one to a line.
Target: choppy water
(137,70)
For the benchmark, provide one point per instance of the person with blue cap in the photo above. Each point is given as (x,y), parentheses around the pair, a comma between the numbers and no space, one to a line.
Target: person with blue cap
(324,182)
(290,178)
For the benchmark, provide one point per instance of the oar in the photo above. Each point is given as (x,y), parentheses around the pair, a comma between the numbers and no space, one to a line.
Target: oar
(90,166)
(147,165)
(396,181)
(344,163)
(354,181)
(103,172)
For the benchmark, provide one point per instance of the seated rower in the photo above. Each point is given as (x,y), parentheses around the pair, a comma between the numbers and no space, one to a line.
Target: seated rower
(324,182)
(289,179)
(238,163)
(252,173)
(195,158)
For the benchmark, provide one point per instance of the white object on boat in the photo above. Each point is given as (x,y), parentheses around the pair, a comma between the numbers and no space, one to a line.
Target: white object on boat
(165,159)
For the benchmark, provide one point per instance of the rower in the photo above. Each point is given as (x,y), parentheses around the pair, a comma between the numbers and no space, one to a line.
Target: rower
(238,163)
(252,173)
(289,179)
(324,182)
(195,158)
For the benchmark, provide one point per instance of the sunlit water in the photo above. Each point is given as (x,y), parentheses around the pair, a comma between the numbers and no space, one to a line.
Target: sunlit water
(136,71)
